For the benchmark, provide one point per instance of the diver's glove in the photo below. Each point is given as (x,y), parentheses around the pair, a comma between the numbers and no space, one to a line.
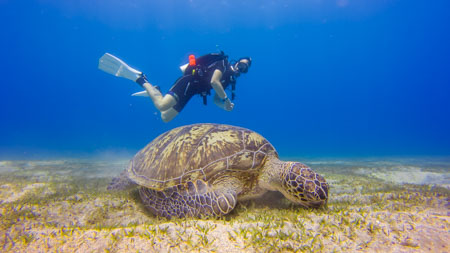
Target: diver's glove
(227,104)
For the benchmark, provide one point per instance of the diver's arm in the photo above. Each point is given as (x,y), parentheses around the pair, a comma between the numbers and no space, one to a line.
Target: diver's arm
(224,104)
(218,101)
(217,85)
(220,98)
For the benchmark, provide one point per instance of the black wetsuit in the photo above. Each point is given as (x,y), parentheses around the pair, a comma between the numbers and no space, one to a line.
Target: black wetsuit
(189,85)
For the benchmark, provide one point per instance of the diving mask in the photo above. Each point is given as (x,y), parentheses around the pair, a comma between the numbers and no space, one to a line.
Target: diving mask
(242,67)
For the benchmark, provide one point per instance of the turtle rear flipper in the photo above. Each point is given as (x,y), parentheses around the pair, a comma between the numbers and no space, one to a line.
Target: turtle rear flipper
(121,182)
(192,199)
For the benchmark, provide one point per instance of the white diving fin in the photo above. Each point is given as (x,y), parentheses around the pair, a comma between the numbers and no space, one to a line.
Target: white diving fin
(140,94)
(115,66)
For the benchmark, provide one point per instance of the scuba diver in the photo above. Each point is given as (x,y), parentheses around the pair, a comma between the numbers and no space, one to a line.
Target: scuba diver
(200,75)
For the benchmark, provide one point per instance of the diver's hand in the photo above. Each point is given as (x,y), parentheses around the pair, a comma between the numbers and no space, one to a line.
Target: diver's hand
(228,105)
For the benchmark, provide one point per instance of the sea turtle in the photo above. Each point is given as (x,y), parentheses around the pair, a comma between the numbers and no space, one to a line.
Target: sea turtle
(202,170)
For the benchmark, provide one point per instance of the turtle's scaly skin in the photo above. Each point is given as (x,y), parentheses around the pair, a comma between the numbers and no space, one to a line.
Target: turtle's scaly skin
(202,169)
(303,183)
(194,199)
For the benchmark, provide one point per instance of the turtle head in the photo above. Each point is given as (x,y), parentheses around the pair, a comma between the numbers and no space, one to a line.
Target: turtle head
(303,186)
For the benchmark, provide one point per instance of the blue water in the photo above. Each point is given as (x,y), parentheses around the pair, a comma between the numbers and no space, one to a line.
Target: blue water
(328,78)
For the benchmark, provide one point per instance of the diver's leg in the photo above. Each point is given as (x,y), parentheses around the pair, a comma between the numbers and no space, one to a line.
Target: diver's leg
(168,114)
(162,103)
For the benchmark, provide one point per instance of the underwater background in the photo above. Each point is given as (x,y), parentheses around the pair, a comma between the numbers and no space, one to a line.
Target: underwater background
(359,90)
(329,78)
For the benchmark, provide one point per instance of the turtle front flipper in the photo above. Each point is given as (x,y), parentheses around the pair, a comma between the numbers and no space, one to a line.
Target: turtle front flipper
(192,199)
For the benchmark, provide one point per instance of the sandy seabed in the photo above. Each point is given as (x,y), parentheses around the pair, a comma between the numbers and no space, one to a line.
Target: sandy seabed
(375,205)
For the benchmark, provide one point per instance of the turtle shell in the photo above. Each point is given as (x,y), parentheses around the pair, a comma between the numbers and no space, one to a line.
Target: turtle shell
(199,151)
